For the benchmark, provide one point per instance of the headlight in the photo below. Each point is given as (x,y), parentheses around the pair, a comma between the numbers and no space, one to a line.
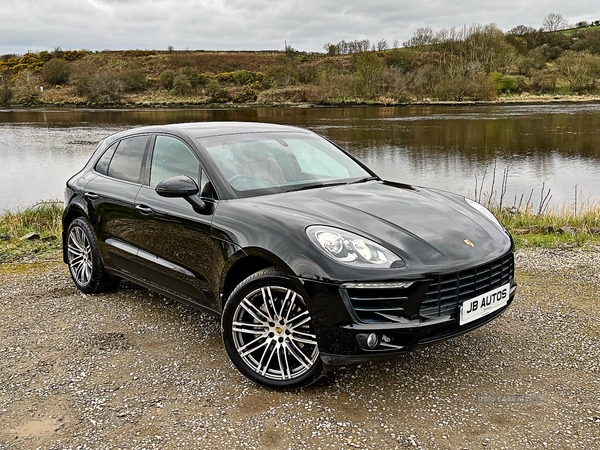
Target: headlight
(351,249)
(486,212)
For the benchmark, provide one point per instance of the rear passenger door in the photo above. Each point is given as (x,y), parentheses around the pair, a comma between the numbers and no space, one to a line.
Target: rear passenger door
(111,198)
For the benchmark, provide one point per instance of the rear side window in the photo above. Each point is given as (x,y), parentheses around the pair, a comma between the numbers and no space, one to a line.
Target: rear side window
(126,163)
(104,161)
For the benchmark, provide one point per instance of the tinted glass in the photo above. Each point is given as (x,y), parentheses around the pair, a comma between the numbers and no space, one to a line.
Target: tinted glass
(172,157)
(104,161)
(260,163)
(127,160)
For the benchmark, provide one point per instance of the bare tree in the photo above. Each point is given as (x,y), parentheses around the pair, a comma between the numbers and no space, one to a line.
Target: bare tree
(521,30)
(422,36)
(580,69)
(554,22)
(382,45)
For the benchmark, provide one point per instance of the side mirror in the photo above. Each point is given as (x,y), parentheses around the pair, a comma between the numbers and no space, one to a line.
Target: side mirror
(179,186)
(182,186)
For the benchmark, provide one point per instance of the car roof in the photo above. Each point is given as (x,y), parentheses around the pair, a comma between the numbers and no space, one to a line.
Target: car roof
(207,129)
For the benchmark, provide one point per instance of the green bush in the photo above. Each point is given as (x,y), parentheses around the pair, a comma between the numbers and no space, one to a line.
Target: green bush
(224,77)
(368,72)
(181,85)
(98,86)
(543,81)
(196,79)
(81,84)
(135,80)
(248,95)
(166,79)
(505,84)
(45,56)
(245,77)
(56,72)
(216,93)
(284,74)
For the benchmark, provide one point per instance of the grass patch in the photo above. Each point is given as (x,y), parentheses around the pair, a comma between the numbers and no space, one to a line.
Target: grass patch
(44,219)
(552,229)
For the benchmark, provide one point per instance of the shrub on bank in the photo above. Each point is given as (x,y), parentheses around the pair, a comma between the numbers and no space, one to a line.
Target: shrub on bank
(56,72)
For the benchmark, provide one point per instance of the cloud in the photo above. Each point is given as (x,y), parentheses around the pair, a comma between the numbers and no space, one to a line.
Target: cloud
(252,24)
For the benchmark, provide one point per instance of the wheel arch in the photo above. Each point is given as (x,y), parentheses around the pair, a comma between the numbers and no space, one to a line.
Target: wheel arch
(69,216)
(246,263)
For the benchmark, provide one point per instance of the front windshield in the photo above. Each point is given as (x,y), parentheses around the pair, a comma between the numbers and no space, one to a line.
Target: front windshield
(262,163)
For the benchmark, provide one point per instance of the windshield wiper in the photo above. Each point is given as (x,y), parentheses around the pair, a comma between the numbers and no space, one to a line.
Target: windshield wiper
(318,185)
(362,180)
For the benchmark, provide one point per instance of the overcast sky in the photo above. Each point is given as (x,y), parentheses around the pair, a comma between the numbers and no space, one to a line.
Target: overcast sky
(306,25)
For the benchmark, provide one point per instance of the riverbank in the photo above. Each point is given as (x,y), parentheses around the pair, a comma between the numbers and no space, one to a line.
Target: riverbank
(278,98)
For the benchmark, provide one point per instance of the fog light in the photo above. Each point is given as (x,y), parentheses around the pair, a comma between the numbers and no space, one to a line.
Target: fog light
(372,340)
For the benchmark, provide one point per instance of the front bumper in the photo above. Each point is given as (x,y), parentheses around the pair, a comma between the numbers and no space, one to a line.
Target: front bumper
(356,323)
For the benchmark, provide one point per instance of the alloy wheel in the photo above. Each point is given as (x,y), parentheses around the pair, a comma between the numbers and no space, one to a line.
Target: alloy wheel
(273,335)
(79,252)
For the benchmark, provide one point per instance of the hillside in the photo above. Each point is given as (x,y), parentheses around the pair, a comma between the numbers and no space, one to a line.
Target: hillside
(479,63)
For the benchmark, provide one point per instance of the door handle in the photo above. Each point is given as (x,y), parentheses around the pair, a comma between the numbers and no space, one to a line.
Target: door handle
(90,196)
(144,209)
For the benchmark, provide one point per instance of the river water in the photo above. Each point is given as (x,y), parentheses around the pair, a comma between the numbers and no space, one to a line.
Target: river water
(556,145)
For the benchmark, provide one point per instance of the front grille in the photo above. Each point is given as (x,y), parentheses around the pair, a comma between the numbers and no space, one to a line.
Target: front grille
(401,301)
(446,292)
(378,305)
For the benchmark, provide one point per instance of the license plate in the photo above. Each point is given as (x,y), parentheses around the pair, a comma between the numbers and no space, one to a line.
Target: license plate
(484,304)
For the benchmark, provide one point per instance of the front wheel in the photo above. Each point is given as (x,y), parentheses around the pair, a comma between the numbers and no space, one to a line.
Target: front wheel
(268,332)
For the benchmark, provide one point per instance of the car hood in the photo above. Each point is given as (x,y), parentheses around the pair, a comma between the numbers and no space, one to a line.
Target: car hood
(427,228)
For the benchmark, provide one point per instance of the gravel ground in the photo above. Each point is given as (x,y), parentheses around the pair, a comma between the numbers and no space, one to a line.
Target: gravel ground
(131,369)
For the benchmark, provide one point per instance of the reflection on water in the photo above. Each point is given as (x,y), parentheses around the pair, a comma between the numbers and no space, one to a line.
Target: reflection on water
(441,146)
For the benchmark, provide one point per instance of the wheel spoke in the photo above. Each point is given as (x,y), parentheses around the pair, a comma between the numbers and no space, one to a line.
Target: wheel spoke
(79,272)
(73,250)
(298,354)
(75,258)
(284,367)
(254,311)
(268,301)
(74,245)
(290,304)
(79,239)
(266,365)
(88,270)
(304,340)
(76,266)
(243,327)
(292,323)
(242,349)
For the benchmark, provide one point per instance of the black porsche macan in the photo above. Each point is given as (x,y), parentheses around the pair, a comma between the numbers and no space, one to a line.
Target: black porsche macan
(309,258)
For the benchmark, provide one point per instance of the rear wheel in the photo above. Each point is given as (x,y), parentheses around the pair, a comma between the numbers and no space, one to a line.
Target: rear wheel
(268,332)
(84,261)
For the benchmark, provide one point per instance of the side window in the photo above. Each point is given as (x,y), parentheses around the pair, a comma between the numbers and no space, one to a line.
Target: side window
(104,161)
(172,157)
(127,161)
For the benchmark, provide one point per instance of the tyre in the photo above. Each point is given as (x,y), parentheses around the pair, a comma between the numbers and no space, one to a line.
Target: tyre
(84,261)
(268,332)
